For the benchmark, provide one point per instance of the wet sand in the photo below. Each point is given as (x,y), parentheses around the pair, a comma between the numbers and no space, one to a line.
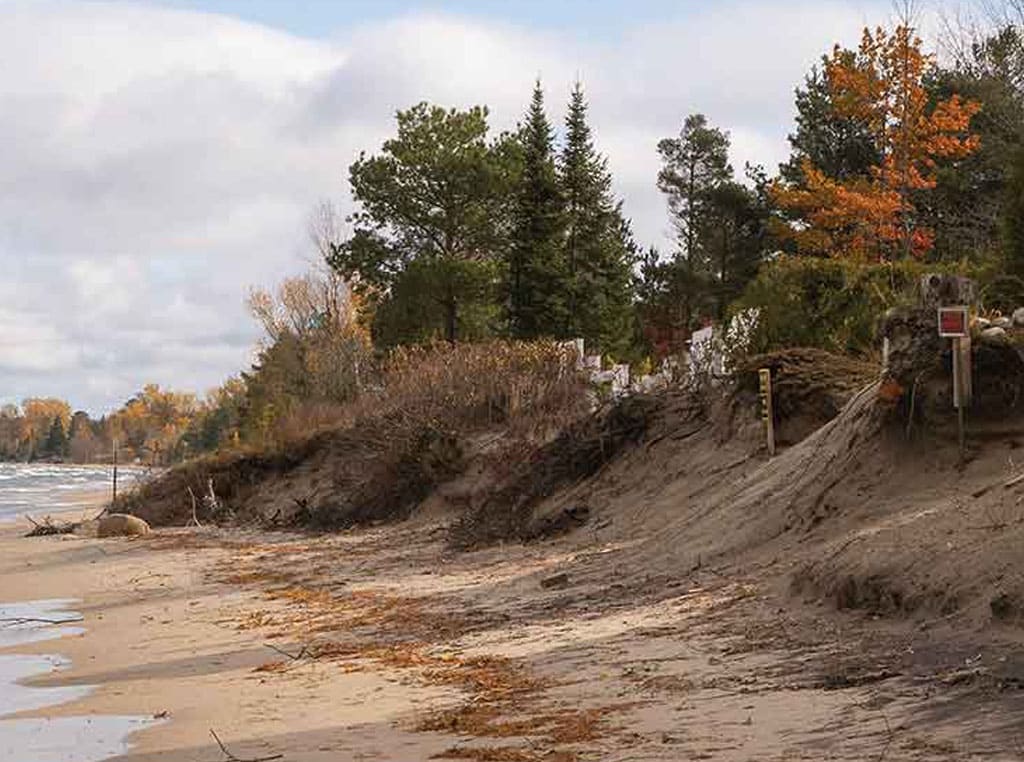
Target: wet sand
(160,638)
(26,732)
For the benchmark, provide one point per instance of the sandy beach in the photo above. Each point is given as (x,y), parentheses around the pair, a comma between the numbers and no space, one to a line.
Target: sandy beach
(379,644)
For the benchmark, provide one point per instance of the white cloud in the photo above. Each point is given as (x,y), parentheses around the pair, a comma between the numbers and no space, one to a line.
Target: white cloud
(156,163)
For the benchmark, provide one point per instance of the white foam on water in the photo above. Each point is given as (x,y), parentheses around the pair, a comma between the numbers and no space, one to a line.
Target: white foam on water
(37,488)
(88,738)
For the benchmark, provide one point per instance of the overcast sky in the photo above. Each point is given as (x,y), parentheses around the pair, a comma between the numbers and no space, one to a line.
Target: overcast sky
(158,159)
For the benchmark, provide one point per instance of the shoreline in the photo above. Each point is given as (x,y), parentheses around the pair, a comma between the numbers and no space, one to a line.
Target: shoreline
(382,644)
(26,730)
(162,640)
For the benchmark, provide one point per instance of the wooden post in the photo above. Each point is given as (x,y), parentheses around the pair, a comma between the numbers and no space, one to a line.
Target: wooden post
(115,473)
(767,408)
(962,388)
(954,323)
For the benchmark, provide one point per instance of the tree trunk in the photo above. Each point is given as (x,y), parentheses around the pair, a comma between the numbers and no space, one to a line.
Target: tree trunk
(451,319)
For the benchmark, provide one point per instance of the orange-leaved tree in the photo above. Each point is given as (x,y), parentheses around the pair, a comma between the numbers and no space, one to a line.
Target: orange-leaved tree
(881,87)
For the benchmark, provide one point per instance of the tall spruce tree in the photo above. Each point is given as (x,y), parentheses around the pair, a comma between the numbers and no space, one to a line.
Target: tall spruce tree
(1013,219)
(538,302)
(598,247)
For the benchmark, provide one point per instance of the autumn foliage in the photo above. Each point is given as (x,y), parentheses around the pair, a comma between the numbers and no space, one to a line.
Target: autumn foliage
(873,218)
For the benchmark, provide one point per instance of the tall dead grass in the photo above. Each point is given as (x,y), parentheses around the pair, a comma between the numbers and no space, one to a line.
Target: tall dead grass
(403,435)
(531,388)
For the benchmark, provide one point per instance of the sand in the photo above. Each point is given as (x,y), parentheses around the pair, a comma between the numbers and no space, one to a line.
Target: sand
(405,651)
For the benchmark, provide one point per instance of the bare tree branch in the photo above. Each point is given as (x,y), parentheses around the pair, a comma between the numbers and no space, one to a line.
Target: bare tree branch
(232,758)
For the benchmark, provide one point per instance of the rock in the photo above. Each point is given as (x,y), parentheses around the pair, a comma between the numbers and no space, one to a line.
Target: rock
(1002,322)
(1018,316)
(981,323)
(937,289)
(994,335)
(556,581)
(121,525)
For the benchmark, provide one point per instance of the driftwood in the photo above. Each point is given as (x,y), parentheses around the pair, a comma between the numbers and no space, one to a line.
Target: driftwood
(294,657)
(16,620)
(194,521)
(229,757)
(1009,484)
(47,527)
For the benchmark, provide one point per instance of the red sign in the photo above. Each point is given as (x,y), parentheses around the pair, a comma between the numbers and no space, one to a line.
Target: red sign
(952,321)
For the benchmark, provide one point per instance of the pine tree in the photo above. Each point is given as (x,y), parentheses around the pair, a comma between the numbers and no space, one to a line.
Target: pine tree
(537,277)
(56,440)
(430,208)
(598,246)
(841,146)
(695,164)
(1013,218)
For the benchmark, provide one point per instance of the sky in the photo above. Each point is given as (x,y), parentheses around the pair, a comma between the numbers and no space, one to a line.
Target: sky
(158,159)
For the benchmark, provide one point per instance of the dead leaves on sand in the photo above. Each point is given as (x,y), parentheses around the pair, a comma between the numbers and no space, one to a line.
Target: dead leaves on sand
(383,630)
(505,754)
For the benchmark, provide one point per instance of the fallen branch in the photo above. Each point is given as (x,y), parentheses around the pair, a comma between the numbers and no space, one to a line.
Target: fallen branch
(232,758)
(194,521)
(1009,484)
(47,527)
(302,652)
(888,740)
(16,620)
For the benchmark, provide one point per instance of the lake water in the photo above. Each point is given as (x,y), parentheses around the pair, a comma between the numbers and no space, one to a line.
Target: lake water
(87,738)
(39,488)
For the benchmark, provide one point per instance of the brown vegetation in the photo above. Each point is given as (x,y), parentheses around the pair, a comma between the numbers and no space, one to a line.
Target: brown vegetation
(384,452)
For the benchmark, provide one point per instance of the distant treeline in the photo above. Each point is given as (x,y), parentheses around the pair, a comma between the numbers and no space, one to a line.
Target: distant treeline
(155,427)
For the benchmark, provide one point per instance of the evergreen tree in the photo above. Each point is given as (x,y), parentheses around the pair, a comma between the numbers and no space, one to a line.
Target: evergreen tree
(694,165)
(841,146)
(1013,219)
(537,277)
(434,198)
(598,247)
(720,227)
(56,441)
(732,241)
(966,205)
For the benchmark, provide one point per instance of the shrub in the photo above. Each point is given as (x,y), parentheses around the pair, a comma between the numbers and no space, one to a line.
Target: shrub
(829,304)
(376,457)
(526,386)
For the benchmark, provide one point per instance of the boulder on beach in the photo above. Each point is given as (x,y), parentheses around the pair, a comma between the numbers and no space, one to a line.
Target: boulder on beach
(121,525)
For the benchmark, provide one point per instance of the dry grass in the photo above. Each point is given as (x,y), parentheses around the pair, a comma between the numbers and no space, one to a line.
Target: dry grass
(385,451)
(530,387)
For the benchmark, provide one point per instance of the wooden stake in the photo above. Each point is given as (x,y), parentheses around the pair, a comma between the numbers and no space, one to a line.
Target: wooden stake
(767,409)
(115,473)
(962,389)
